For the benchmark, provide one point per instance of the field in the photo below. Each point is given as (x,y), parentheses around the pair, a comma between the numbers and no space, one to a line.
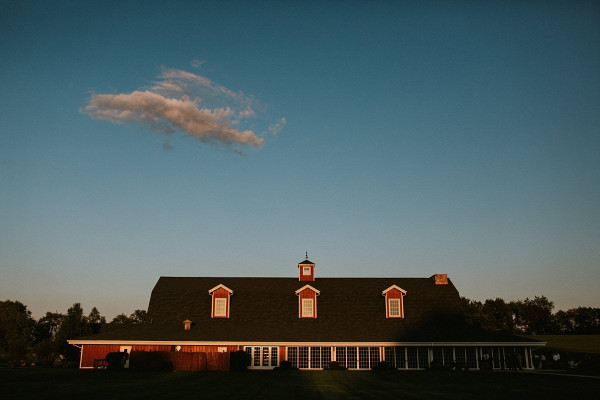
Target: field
(572,343)
(42,383)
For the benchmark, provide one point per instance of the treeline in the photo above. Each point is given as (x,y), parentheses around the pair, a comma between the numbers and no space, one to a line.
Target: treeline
(530,317)
(44,341)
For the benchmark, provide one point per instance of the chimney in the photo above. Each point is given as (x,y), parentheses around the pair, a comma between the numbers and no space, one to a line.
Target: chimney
(187,325)
(440,279)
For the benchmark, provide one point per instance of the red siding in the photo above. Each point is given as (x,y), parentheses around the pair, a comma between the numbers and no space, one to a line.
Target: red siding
(310,277)
(96,351)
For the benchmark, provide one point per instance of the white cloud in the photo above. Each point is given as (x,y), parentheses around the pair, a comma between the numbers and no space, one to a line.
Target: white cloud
(180,101)
(275,129)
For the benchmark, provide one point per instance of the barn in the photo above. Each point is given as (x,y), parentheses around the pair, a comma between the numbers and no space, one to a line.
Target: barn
(309,322)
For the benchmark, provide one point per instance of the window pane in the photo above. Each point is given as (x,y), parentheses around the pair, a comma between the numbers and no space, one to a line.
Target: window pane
(307,307)
(249,351)
(325,356)
(220,307)
(274,356)
(412,357)
(341,356)
(374,356)
(423,357)
(293,356)
(400,357)
(351,356)
(315,357)
(394,307)
(448,355)
(257,356)
(471,357)
(390,356)
(265,357)
(363,357)
(302,357)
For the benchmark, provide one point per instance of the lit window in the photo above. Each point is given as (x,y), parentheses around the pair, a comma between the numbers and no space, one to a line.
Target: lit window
(394,307)
(220,307)
(307,308)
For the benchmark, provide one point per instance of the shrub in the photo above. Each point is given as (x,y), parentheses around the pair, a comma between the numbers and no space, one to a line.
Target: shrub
(238,360)
(335,366)
(383,366)
(45,352)
(116,360)
(285,366)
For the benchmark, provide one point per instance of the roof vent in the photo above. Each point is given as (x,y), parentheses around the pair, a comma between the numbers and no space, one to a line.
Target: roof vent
(187,325)
(440,279)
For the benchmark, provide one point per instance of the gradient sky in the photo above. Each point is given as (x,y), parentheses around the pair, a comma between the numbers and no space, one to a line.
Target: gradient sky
(148,139)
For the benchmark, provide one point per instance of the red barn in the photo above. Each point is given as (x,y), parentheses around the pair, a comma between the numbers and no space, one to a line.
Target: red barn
(410,323)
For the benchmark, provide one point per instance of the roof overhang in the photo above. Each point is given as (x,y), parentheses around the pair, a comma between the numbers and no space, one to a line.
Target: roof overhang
(277,343)
(221,286)
(392,288)
(303,288)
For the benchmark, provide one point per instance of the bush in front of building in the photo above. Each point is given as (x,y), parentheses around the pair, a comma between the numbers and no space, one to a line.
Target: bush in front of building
(116,360)
(239,360)
(335,366)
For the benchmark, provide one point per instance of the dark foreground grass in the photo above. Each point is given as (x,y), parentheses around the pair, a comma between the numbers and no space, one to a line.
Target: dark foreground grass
(89,385)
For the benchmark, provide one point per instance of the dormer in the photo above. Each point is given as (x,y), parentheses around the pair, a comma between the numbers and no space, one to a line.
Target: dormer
(306,271)
(307,301)
(220,301)
(394,302)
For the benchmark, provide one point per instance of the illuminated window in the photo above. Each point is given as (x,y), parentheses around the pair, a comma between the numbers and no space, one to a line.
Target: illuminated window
(220,307)
(394,307)
(307,308)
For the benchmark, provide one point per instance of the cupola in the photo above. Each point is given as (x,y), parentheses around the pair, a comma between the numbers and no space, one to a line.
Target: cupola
(306,270)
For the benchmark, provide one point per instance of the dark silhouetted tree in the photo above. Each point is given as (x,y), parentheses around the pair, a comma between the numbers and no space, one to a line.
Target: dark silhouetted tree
(73,325)
(16,328)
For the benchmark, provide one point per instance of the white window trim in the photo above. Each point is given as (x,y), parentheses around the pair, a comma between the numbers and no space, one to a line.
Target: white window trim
(306,270)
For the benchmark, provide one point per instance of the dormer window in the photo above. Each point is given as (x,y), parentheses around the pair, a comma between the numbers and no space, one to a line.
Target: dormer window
(394,304)
(220,301)
(307,301)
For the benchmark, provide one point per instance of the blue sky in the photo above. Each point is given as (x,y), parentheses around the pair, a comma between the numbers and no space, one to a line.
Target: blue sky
(147,139)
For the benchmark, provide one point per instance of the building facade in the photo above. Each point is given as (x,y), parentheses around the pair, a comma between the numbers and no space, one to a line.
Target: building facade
(408,323)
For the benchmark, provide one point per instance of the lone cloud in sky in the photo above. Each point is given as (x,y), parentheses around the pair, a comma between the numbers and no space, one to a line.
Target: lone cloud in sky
(180,101)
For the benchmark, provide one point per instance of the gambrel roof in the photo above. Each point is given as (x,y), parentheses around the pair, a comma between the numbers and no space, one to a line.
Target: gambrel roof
(351,310)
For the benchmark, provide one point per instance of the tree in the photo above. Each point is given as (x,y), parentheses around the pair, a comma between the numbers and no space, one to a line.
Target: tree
(534,316)
(95,317)
(137,317)
(46,327)
(472,311)
(16,326)
(74,324)
(498,316)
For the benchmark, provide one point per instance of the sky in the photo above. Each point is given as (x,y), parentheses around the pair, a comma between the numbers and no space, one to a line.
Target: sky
(142,139)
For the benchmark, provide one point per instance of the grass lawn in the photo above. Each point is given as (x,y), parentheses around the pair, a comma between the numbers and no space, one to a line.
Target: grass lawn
(89,384)
(576,343)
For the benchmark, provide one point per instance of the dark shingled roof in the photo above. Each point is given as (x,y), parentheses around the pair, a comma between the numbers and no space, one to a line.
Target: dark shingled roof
(266,310)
